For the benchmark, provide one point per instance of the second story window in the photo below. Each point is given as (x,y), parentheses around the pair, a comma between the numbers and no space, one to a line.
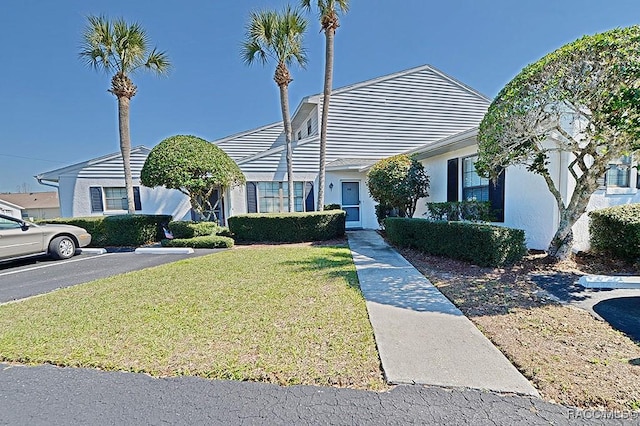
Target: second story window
(308,127)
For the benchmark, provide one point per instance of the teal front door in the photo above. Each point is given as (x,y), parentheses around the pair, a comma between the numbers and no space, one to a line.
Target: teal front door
(351,203)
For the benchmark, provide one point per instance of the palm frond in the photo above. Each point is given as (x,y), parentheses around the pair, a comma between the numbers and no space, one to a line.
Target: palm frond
(270,34)
(158,62)
(327,7)
(119,46)
(95,49)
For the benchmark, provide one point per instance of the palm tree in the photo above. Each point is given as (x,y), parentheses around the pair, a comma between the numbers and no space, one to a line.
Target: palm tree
(122,48)
(278,36)
(328,11)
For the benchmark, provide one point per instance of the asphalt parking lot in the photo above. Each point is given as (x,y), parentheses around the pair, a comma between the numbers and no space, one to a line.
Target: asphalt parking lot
(27,278)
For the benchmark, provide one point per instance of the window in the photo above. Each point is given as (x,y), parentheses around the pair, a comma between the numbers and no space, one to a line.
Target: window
(9,223)
(115,198)
(619,173)
(273,197)
(112,198)
(308,127)
(474,187)
(299,134)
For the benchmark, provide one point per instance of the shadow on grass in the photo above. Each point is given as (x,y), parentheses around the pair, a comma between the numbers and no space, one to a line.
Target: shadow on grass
(330,263)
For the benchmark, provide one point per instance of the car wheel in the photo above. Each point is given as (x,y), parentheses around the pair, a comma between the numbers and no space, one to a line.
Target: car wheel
(62,248)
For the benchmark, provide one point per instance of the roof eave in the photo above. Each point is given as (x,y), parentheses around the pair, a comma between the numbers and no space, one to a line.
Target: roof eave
(459,140)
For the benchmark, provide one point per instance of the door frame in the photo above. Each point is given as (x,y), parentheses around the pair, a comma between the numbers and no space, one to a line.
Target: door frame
(358,223)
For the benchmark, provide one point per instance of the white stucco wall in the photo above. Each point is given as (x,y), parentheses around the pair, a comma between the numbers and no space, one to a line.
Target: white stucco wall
(528,203)
(75,200)
(599,200)
(238,196)
(333,195)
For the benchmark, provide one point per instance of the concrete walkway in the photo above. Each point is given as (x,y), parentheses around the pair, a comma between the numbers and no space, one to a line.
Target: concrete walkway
(421,336)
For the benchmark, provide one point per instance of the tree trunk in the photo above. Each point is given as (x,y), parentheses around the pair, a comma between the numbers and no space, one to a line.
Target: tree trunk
(562,242)
(286,118)
(125,149)
(328,83)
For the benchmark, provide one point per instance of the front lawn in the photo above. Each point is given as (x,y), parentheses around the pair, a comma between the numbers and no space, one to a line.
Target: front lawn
(285,315)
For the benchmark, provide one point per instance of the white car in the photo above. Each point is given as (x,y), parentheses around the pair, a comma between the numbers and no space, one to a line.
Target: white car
(19,239)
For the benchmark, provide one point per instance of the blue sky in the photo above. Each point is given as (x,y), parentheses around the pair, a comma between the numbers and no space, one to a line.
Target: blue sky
(54,111)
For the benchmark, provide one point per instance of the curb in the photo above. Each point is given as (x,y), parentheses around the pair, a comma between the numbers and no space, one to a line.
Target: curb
(604,281)
(164,250)
(92,250)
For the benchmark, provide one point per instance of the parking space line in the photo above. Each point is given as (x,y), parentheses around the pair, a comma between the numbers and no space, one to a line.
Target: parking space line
(2,274)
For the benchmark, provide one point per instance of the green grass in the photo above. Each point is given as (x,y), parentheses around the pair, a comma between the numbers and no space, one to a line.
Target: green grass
(286,315)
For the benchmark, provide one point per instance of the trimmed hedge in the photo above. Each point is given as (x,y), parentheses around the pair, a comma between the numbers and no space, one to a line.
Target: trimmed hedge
(288,227)
(616,231)
(482,244)
(184,229)
(475,211)
(120,231)
(205,241)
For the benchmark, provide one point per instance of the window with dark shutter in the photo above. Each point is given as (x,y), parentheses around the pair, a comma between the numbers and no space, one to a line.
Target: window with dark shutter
(95,193)
(136,198)
(452,180)
(252,199)
(308,197)
(496,197)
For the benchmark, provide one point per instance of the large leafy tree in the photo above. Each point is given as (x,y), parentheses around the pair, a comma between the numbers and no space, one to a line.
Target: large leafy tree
(398,182)
(581,101)
(194,167)
(278,36)
(121,48)
(329,11)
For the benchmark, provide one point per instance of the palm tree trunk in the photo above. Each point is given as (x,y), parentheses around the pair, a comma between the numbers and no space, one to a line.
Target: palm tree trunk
(328,83)
(125,149)
(286,118)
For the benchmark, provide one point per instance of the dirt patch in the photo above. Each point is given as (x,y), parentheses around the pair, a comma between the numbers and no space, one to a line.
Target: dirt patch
(570,356)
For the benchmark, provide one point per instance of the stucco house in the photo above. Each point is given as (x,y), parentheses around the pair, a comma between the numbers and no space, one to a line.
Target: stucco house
(96,188)
(368,121)
(521,197)
(420,111)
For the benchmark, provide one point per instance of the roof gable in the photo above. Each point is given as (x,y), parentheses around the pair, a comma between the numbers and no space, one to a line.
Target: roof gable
(107,163)
(251,142)
(370,120)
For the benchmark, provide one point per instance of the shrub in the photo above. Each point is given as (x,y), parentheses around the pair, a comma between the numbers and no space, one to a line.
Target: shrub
(184,229)
(616,231)
(332,207)
(482,244)
(475,211)
(193,166)
(288,227)
(205,241)
(120,231)
(398,182)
